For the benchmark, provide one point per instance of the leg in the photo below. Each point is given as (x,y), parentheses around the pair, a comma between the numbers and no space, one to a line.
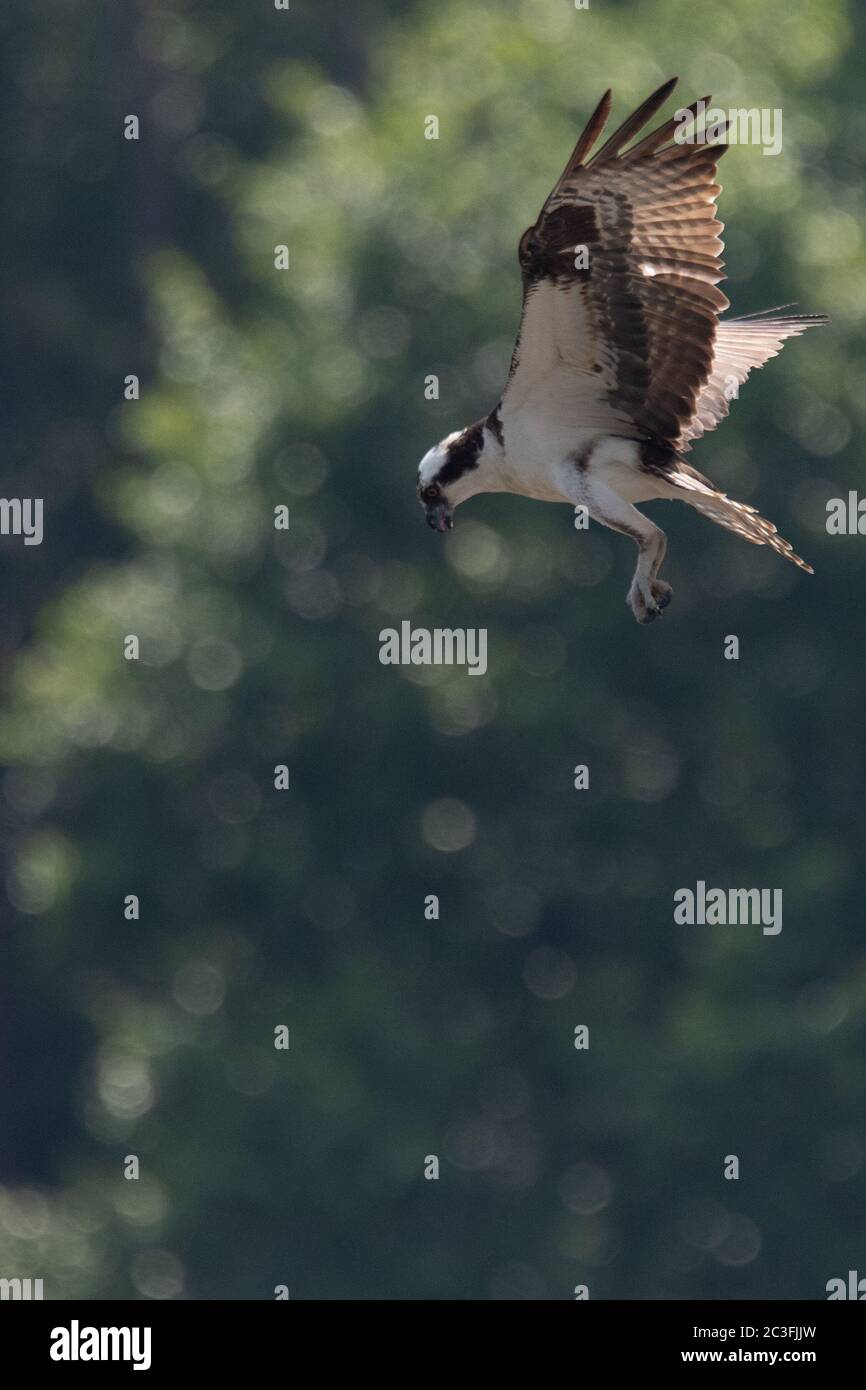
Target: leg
(648,594)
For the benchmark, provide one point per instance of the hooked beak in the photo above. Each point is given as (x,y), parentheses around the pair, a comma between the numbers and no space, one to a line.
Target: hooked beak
(440,517)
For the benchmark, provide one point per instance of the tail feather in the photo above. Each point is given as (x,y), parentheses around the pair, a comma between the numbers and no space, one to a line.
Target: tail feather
(738,517)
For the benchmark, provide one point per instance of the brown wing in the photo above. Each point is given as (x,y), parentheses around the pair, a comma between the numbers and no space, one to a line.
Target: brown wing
(643,312)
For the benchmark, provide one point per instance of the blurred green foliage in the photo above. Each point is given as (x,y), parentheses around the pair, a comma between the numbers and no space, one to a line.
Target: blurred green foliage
(306,387)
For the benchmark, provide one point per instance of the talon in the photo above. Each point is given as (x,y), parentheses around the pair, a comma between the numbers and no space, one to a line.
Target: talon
(647,606)
(651,614)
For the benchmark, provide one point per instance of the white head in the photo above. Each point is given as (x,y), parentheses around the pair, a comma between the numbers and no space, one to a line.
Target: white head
(451,472)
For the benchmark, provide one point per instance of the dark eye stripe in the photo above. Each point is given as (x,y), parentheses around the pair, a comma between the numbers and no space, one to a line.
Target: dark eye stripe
(462,454)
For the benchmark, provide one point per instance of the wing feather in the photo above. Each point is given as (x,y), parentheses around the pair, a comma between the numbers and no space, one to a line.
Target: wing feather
(742,344)
(638,335)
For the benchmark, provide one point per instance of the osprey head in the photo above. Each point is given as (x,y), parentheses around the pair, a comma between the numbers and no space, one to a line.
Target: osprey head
(446,475)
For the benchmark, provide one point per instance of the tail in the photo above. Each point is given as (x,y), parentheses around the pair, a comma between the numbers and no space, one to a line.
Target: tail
(744,520)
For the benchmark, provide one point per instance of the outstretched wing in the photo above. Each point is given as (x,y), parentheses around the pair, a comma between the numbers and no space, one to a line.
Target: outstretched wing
(741,345)
(620,279)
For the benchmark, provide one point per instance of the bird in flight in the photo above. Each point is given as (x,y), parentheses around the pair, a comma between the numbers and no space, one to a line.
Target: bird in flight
(621,360)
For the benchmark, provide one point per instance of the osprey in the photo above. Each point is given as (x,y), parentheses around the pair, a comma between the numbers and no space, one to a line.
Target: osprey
(621,360)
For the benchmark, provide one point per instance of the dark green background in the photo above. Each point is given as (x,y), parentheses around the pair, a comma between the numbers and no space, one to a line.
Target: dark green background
(305,907)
